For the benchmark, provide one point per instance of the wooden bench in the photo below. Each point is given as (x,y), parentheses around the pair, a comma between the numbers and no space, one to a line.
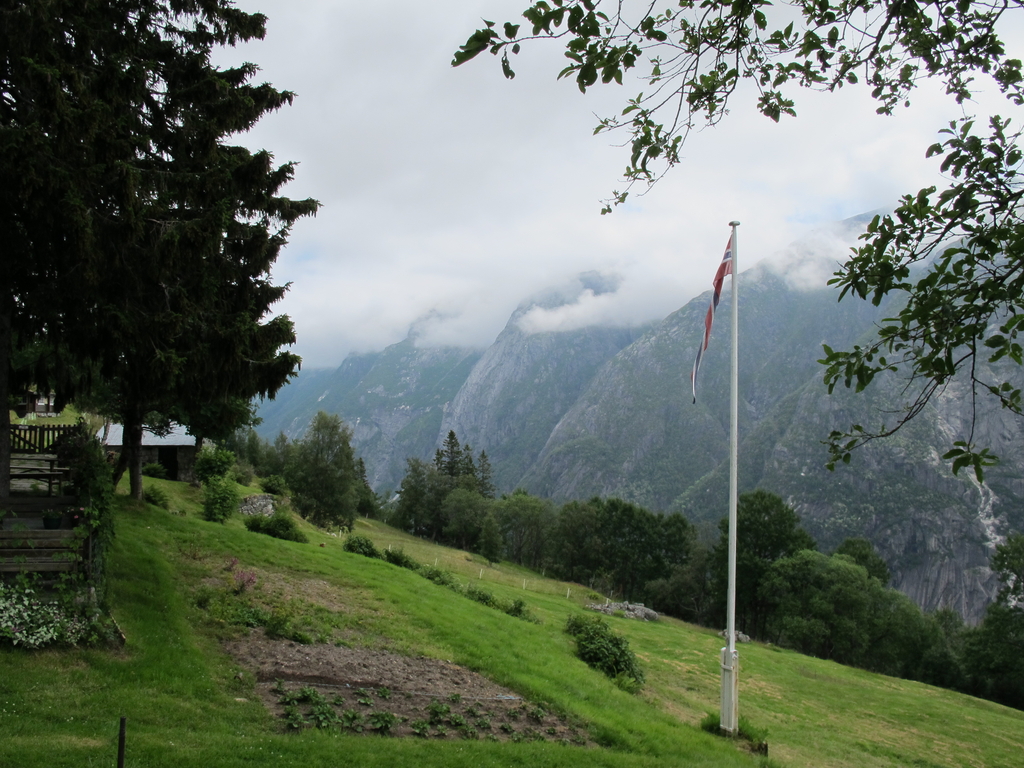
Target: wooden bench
(29,467)
(26,545)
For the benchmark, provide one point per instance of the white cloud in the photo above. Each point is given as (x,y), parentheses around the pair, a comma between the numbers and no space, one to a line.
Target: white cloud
(451,194)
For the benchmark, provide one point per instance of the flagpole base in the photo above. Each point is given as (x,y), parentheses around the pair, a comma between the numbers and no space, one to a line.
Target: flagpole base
(730,713)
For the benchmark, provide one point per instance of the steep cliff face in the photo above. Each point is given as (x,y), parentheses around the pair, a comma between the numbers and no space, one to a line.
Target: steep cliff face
(393,400)
(521,388)
(635,432)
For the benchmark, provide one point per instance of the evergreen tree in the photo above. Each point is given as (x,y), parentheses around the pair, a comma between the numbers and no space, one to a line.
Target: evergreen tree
(153,263)
(467,473)
(411,510)
(451,457)
(484,483)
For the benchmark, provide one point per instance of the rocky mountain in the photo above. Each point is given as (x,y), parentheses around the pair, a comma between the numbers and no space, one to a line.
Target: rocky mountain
(394,401)
(608,411)
(522,387)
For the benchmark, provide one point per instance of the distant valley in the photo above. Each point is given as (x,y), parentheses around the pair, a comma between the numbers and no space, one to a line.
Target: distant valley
(607,411)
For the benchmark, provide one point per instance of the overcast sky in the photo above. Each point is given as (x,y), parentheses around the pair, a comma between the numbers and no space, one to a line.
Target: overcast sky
(449,195)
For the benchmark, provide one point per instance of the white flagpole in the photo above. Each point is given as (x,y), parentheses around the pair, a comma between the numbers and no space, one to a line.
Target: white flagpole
(730,657)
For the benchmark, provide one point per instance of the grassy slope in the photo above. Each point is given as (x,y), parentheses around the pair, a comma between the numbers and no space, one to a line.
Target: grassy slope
(185,706)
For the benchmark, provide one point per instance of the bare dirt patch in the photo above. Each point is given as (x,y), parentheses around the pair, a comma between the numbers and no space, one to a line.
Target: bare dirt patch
(373,691)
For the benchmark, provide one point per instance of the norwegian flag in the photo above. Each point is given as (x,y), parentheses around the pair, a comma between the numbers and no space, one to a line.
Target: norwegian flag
(725,268)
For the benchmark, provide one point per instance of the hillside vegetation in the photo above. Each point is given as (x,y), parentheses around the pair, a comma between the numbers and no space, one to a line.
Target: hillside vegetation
(188,704)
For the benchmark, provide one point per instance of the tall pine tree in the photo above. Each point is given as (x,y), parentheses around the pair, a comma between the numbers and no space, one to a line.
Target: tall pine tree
(142,241)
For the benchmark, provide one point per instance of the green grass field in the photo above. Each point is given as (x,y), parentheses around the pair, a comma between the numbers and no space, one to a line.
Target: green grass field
(186,706)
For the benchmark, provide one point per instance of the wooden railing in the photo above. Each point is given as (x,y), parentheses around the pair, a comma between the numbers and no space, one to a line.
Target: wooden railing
(28,544)
(33,438)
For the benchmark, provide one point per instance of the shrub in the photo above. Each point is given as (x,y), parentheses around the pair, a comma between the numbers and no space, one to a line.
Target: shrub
(361,545)
(280,525)
(474,592)
(603,650)
(438,576)
(212,462)
(399,558)
(220,499)
(157,496)
(242,473)
(275,484)
(517,609)
(155,469)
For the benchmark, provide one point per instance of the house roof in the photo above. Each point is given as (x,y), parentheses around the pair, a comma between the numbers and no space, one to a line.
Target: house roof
(177,436)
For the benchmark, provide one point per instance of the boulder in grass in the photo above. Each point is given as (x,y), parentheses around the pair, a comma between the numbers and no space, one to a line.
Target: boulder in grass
(257,504)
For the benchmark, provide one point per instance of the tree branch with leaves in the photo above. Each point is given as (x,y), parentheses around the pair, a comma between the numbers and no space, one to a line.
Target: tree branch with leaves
(690,61)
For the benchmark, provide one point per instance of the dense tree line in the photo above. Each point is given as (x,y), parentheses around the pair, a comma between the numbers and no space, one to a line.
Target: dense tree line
(836,606)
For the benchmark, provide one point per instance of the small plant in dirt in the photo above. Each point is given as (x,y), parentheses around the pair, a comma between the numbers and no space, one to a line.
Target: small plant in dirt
(311,695)
(293,718)
(364,697)
(437,712)
(469,733)
(420,728)
(472,711)
(352,720)
(338,700)
(515,713)
(552,731)
(537,714)
(455,698)
(382,722)
(482,723)
(322,715)
(457,721)
(508,728)
(384,693)
(278,686)
(440,731)
(288,698)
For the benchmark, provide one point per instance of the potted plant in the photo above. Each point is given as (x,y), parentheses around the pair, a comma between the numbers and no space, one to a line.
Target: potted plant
(52,519)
